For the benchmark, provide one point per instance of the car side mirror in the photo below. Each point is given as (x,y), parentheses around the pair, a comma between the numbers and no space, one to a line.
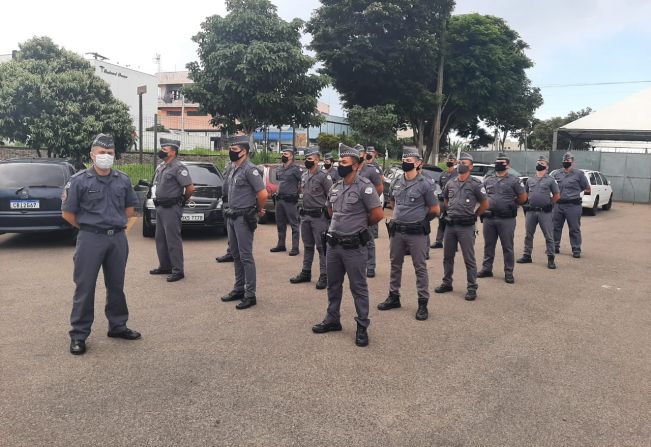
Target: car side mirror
(144,183)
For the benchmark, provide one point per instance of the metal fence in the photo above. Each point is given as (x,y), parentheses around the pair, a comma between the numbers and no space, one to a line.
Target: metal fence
(629,174)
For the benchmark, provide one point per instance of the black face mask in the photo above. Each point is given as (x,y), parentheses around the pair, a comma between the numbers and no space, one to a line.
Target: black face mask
(462,169)
(162,155)
(327,165)
(369,157)
(234,156)
(407,166)
(567,164)
(540,167)
(449,164)
(500,167)
(309,164)
(284,159)
(343,171)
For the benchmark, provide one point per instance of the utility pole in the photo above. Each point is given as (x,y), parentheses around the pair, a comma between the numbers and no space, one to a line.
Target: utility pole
(141,91)
(182,113)
(439,95)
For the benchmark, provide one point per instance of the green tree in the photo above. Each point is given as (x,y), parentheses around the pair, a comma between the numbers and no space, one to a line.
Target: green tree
(375,125)
(542,133)
(51,98)
(252,70)
(330,143)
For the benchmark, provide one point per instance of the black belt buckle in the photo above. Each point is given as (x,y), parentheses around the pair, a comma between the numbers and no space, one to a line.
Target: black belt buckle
(110,232)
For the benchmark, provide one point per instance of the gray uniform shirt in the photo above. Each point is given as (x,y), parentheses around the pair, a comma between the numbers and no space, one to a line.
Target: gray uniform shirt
(540,190)
(446,177)
(227,172)
(463,197)
(503,192)
(414,198)
(243,185)
(97,200)
(333,173)
(315,188)
(372,173)
(289,179)
(351,205)
(170,179)
(571,184)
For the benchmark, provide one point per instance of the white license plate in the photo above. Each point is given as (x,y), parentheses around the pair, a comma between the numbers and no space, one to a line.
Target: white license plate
(192,217)
(24,204)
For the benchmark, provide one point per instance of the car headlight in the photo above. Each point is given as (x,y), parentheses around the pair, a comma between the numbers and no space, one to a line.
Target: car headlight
(220,204)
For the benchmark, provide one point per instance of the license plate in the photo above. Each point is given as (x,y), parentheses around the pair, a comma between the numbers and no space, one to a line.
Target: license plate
(24,204)
(192,217)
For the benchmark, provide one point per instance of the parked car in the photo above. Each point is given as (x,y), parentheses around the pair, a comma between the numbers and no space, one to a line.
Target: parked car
(601,192)
(391,173)
(204,209)
(30,194)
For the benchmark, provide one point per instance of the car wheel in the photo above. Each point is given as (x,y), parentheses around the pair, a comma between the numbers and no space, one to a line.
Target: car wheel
(148,230)
(609,205)
(592,211)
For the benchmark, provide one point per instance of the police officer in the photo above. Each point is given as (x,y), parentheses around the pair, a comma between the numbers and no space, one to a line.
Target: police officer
(289,179)
(505,192)
(371,171)
(315,185)
(246,197)
(543,192)
(571,183)
(99,201)
(462,194)
(228,257)
(329,167)
(414,204)
(173,188)
(451,163)
(354,205)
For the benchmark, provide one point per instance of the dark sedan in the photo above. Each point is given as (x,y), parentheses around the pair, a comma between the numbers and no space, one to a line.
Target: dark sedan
(204,209)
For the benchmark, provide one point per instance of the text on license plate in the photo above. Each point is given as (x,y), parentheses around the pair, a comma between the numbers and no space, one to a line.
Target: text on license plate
(24,204)
(192,217)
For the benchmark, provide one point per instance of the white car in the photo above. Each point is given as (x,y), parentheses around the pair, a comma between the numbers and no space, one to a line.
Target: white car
(601,192)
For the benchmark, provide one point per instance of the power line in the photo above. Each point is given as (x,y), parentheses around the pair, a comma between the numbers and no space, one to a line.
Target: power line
(589,84)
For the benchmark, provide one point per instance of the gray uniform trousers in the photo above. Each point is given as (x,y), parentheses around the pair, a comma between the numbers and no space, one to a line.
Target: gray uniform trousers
(440,232)
(240,241)
(465,237)
(311,230)
(533,219)
(572,214)
(374,230)
(287,213)
(417,246)
(352,262)
(504,229)
(169,244)
(92,252)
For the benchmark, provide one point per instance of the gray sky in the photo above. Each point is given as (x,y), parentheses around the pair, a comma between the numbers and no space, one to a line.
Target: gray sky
(578,41)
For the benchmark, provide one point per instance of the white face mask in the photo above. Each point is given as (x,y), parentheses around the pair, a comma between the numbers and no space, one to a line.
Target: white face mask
(104,161)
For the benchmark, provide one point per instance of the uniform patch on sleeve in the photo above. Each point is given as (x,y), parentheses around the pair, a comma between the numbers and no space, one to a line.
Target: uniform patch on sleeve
(483,190)
(184,172)
(368,190)
(256,172)
(328,177)
(377,170)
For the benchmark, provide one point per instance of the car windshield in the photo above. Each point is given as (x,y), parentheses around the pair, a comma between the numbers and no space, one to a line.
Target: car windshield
(479,170)
(22,175)
(205,175)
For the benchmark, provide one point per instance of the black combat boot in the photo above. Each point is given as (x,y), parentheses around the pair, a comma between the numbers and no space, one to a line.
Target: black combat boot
(322,283)
(471,295)
(361,338)
(525,259)
(246,302)
(392,302)
(421,313)
(304,276)
(550,262)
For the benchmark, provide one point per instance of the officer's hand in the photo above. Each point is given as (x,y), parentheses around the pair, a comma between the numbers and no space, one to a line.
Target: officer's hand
(261,212)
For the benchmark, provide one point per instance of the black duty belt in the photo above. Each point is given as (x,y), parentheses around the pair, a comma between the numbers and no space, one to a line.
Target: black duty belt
(461,221)
(571,201)
(168,202)
(312,212)
(235,213)
(96,230)
(406,228)
(544,209)
(348,242)
(290,198)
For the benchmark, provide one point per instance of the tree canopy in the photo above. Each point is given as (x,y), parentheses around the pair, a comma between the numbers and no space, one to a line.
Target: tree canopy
(375,125)
(542,133)
(252,70)
(51,98)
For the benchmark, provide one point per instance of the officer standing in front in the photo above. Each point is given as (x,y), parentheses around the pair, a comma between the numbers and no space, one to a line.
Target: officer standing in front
(173,188)
(505,192)
(543,193)
(451,172)
(371,171)
(289,179)
(315,186)
(329,167)
(99,201)
(465,199)
(571,183)
(227,257)
(246,197)
(354,205)
(414,205)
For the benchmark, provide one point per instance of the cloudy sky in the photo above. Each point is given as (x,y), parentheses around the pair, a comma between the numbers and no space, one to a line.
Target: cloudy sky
(572,42)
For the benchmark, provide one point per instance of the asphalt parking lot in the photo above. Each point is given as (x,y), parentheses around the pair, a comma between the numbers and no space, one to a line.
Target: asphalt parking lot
(561,358)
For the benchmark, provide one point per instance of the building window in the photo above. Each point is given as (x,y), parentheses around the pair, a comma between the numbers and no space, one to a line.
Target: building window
(173,113)
(195,113)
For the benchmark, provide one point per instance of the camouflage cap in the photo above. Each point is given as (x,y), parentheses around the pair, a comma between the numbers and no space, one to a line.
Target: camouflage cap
(167,142)
(313,150)
(104,140)
(346,151)
(465,156)
(568,156)
(411,152)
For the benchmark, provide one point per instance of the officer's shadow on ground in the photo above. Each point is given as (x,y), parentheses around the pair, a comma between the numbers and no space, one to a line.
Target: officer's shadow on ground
(50,239)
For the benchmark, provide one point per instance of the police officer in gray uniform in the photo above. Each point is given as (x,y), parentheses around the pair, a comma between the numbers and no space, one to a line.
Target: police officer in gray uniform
(465,199)
(315,186)
(98,201)
(451,163)
(354,205)
(414,204)
(173,188)
(289,179)
(543,193)
(371,171)
(571,183)
(246,197)
(505,192)
(329,168)
(228,257)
